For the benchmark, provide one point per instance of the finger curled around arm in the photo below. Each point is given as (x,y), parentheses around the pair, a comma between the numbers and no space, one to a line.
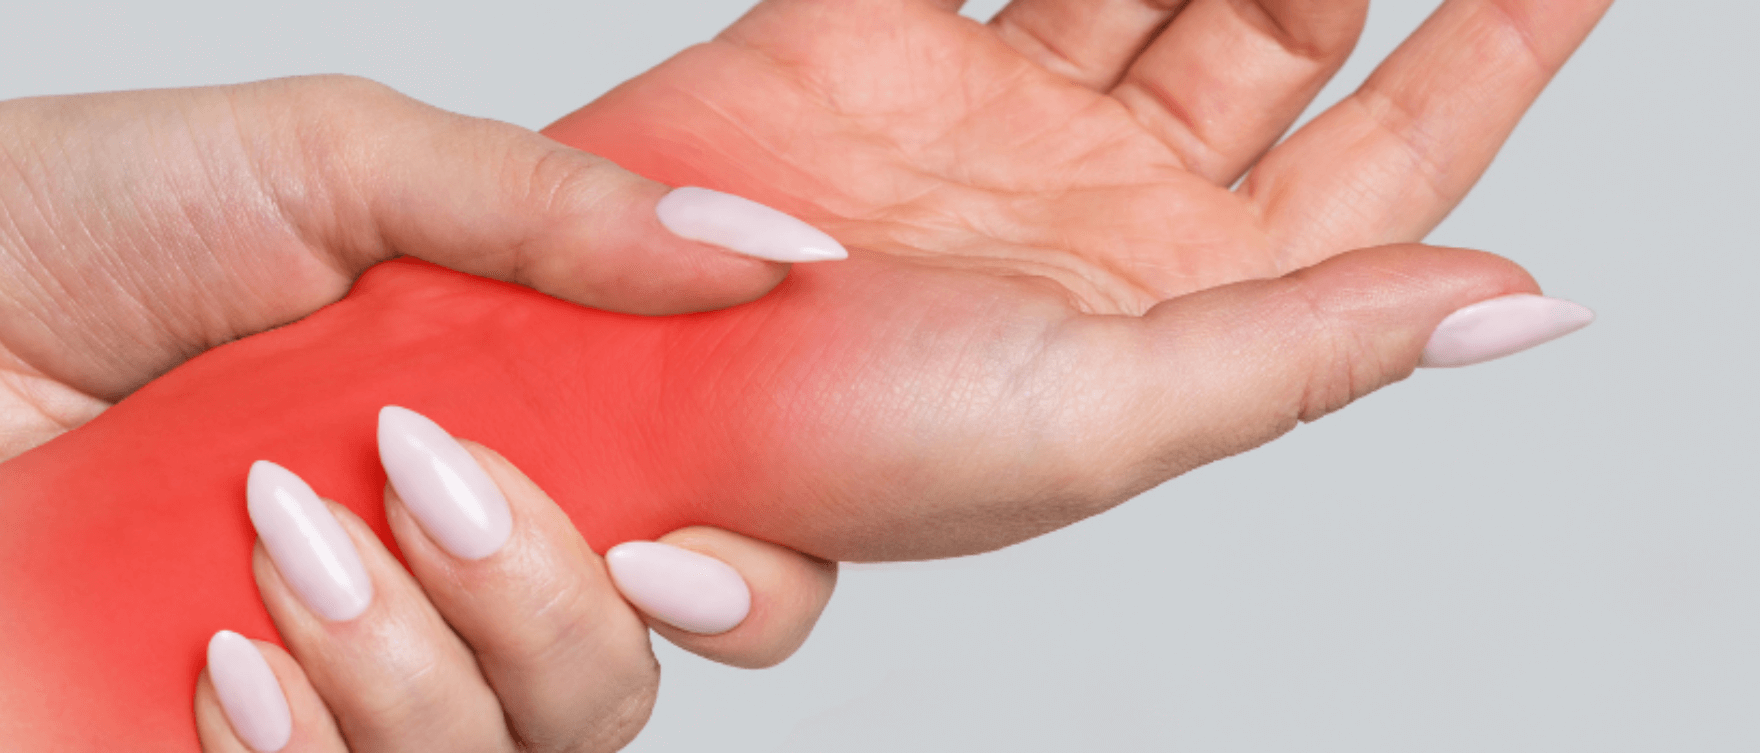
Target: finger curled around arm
(568,659)
(377,174)
(727,597)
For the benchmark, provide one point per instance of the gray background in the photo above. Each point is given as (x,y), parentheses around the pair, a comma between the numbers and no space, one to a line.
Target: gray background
(1552,552)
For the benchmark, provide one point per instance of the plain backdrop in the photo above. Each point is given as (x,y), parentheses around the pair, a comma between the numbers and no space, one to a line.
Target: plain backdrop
(1555,552)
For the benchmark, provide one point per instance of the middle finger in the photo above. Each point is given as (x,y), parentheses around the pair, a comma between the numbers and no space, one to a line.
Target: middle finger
(1228,77)
(568,657)
(1090,42)
(393,673)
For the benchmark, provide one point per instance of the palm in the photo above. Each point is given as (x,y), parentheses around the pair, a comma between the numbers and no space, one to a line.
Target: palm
(920,138)
(968,363)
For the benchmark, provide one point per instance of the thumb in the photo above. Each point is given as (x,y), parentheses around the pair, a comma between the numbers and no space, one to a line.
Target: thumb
(496,200)
(1234,367)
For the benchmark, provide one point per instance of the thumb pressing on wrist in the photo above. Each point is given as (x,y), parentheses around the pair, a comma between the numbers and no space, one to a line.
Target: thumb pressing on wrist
(139,229)
(500,201)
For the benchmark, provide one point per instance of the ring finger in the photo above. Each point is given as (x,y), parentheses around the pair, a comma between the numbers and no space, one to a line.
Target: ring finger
(568,657)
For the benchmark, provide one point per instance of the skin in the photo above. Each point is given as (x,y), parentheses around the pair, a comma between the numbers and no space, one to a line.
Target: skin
(1054,299)
(137,233)
(489,654)
(1047,249)
(1051,257)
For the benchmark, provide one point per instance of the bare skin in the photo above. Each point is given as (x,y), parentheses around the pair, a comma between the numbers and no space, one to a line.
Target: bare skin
(1058,296)
(495,654)
(1055,298)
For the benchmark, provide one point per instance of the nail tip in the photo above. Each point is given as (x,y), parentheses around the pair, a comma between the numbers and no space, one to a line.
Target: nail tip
(836,253)
(218,642)
(451,495)
(307,543)
(394,417)
(1581,316)
(744,226)
(261,468)
(688,590)
(250,694)
(1462,339)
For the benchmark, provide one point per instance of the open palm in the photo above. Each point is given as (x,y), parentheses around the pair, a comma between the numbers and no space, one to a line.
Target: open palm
(1041,316)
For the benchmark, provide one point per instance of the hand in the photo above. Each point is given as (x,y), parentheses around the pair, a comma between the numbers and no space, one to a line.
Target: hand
(139,229)
(1055,300)
(508,637)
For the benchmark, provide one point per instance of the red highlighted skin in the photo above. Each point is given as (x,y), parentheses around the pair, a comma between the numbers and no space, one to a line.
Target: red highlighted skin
(124,544)
(919,399)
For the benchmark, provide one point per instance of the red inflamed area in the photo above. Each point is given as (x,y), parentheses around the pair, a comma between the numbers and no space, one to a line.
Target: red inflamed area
(125,544)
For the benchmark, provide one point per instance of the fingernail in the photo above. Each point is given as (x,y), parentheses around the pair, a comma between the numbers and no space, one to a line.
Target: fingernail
(249,693)
(1501,326)
(451,496)
(309,547)
(682,588)
(744,226)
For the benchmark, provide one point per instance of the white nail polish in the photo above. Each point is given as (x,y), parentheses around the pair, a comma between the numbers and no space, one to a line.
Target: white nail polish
(310,549)
(682,588)
(1501,326)
(450,495)
(744,226)
(249,693)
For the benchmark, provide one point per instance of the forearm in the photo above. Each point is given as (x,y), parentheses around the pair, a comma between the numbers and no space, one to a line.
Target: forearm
(125,543)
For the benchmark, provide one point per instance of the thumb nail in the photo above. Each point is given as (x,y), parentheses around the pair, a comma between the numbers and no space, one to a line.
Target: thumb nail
(1499,327)
(744,226)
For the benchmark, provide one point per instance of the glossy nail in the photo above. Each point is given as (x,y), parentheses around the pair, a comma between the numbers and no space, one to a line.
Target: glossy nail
(310,549)
(450,495)
(744,226)
(1501,326)
(249,693)
(682,588)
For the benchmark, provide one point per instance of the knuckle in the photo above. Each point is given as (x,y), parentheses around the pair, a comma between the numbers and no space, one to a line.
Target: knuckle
(341,90)
(557,178)
(400,697)
(635,709)
(1341,362)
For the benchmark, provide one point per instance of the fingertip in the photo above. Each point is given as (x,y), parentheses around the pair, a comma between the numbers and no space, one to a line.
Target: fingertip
(743,226)
(508,203)
(621,242)
(240,701)
(687,590)
(788,592)
(249,692)
(1252,360)
(445,485)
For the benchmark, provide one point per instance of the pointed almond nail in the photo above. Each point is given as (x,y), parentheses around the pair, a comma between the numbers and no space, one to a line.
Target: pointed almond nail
(744,226)
(682,588)
(249,693)
(1498,327)
(453,498)
(307,544)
